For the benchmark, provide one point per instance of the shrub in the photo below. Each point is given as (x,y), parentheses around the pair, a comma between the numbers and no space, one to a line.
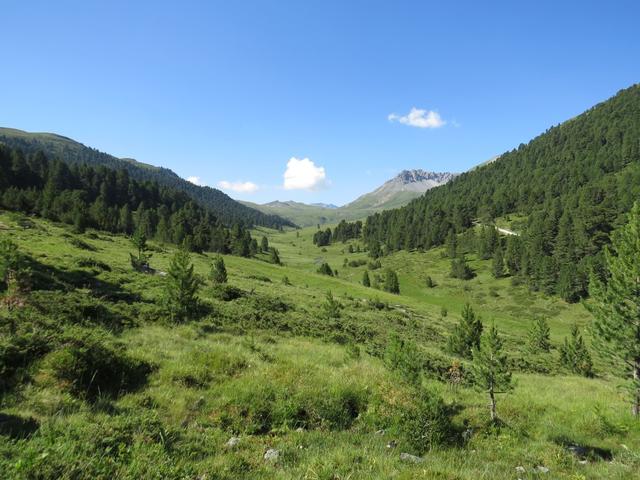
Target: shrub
(89,368)
(227,293)
(426,423)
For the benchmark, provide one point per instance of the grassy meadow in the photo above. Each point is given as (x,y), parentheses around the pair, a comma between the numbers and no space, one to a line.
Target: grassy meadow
(263,365)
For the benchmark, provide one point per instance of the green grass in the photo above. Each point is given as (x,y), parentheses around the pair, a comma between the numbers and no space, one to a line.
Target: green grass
(269,363)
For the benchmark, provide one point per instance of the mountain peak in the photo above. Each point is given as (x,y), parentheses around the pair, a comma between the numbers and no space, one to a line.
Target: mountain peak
(419,175)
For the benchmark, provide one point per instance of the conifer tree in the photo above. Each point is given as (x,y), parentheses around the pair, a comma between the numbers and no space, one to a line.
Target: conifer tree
(460,269)
(498,263)
(466,335)
(275,256)
(264,244)
(540,336)
(218,273)
(181,288)
(325,269)
(331,307)
(139,241)
(574,354)
(365,279)
(452,244)
(616,304)
(391,283)
(429,282)
(490,369)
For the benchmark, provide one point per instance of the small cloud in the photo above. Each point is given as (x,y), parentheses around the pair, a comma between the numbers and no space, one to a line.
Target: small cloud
(303,174)
(419,118)
(240,187)
(196,181)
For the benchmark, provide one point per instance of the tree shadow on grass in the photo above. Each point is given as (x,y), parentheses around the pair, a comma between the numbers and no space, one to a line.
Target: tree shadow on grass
(16,427)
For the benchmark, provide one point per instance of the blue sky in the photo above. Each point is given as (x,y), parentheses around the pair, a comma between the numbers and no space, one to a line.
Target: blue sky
(242,91)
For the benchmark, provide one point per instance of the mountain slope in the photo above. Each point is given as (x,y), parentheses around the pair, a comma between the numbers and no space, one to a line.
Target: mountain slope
(571,184)
(70,151)
(396,192)
(402,188)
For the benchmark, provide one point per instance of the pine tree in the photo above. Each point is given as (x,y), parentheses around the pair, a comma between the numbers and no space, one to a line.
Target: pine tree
(574,354)
(616,303)
(218,273)
(460,269)
(391,283)
(498,263)
(540,336)
(452,244)
(139,241)
(466,335)
(490,369)
(365,279)
(275,256)
(181,288)
(429,282)
(331,307)
(325,269)
(264,244)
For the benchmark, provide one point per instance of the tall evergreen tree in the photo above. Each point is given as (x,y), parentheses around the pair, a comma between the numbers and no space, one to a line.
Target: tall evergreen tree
(466,335)
(490,369)
(497,268)
(264,244)
(181,288)
(218,273)
(616,304)
(391,283)
(140,262)
(365,279)
(540,336)
(574,354)
(452,244)
(275,256)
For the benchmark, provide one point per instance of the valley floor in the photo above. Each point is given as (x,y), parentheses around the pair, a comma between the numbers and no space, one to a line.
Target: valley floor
(270,370)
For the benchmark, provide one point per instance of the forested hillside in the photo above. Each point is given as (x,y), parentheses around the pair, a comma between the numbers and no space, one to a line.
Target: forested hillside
(571,184)
(225,208)
(111,200)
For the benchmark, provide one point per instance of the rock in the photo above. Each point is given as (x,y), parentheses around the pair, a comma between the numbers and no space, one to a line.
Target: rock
(583,462)
(232,442)
(380,432)
(300,430)
(392,444)
(272,455)
(520,469)
(407,457)
(541,469)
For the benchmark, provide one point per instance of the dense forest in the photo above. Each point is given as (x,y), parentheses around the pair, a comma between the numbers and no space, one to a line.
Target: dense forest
(341,233)
(111,200)
(572,184)
(224,207)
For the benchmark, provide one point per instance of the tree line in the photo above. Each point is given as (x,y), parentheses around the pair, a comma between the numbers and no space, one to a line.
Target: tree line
(97,197)
(573,184)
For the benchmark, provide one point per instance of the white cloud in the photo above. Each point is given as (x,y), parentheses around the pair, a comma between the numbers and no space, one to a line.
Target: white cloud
(240,187)
(196,181)
(302,174)
(419,118)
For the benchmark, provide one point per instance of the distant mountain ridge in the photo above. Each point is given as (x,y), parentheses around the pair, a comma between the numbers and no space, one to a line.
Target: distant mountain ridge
(396,192)
(224,207)
(399,190)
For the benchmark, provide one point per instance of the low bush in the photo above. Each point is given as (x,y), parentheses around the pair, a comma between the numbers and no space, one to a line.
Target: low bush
(90,368)
(227,293)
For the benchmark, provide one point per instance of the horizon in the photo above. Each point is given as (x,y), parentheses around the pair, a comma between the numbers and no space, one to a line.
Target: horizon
(240,101)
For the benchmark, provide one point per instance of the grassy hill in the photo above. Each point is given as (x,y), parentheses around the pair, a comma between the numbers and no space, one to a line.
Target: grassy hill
(270,368)
(71,151)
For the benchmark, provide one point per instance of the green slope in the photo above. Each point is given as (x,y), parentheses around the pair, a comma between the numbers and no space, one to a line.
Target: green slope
(278,377)
(57,146)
